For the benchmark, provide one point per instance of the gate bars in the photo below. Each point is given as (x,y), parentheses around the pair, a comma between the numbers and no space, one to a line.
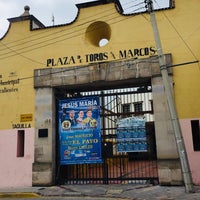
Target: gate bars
(118,167)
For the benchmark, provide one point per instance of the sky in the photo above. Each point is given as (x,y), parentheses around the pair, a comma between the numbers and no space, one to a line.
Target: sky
(64,11)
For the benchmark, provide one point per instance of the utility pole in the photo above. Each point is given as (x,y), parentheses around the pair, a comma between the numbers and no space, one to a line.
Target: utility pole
(171,104)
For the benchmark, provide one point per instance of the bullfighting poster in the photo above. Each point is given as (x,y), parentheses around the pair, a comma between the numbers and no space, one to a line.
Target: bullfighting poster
(79,130)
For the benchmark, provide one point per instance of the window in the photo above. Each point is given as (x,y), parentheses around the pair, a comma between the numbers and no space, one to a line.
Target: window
(195,134)
(126,108)
(98,34)
(151,103)
(138,107)
(20,143)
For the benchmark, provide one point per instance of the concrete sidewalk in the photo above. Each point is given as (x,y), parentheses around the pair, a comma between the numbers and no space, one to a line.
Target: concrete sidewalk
(132,192)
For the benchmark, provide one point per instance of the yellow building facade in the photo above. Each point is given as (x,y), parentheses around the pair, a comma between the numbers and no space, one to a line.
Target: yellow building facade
(37,61)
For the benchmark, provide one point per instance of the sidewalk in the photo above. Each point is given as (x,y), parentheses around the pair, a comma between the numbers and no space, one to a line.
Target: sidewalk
(132,192)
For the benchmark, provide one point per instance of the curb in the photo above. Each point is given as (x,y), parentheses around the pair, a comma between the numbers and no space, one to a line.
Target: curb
(19,195)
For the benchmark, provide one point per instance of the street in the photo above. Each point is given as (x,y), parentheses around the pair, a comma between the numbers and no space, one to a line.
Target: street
(68,198)
(101,192)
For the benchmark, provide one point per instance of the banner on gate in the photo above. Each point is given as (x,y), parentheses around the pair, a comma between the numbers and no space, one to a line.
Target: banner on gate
(131,135)
(79,130)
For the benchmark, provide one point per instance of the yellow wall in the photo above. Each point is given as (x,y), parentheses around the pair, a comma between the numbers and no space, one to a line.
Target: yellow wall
(14,67)
(22,51)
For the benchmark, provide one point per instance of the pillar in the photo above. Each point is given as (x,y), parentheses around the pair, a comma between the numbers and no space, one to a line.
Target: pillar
(169,168)
(45,139)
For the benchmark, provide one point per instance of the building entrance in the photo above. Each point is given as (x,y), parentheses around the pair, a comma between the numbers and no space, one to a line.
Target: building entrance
(137,162)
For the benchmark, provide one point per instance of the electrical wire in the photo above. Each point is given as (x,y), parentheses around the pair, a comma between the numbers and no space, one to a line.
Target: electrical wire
(86,66)
(36,39)
(177,32)
(150,61)
(17,53)
(78,25)
(35,61)
(51,41)
(138,4)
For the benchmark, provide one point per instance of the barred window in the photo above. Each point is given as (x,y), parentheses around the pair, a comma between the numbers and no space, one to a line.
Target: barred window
(126,108)
(138,107)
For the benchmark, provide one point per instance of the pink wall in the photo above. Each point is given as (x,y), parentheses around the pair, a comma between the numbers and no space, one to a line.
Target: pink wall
(16,171)
(193,156)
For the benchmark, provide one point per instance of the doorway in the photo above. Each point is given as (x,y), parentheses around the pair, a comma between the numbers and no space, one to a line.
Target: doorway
(133,166)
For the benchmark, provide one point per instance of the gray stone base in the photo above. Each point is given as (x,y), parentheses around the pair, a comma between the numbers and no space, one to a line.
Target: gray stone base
(42,174)
(169,172)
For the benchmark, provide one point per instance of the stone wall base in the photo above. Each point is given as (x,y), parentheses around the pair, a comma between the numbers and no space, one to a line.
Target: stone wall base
(42,174)
(169,172)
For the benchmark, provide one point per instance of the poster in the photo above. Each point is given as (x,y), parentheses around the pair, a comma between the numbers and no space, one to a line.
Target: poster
(131,135)
(79,130)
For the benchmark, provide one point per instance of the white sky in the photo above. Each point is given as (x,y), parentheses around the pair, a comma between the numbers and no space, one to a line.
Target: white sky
(64,11)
